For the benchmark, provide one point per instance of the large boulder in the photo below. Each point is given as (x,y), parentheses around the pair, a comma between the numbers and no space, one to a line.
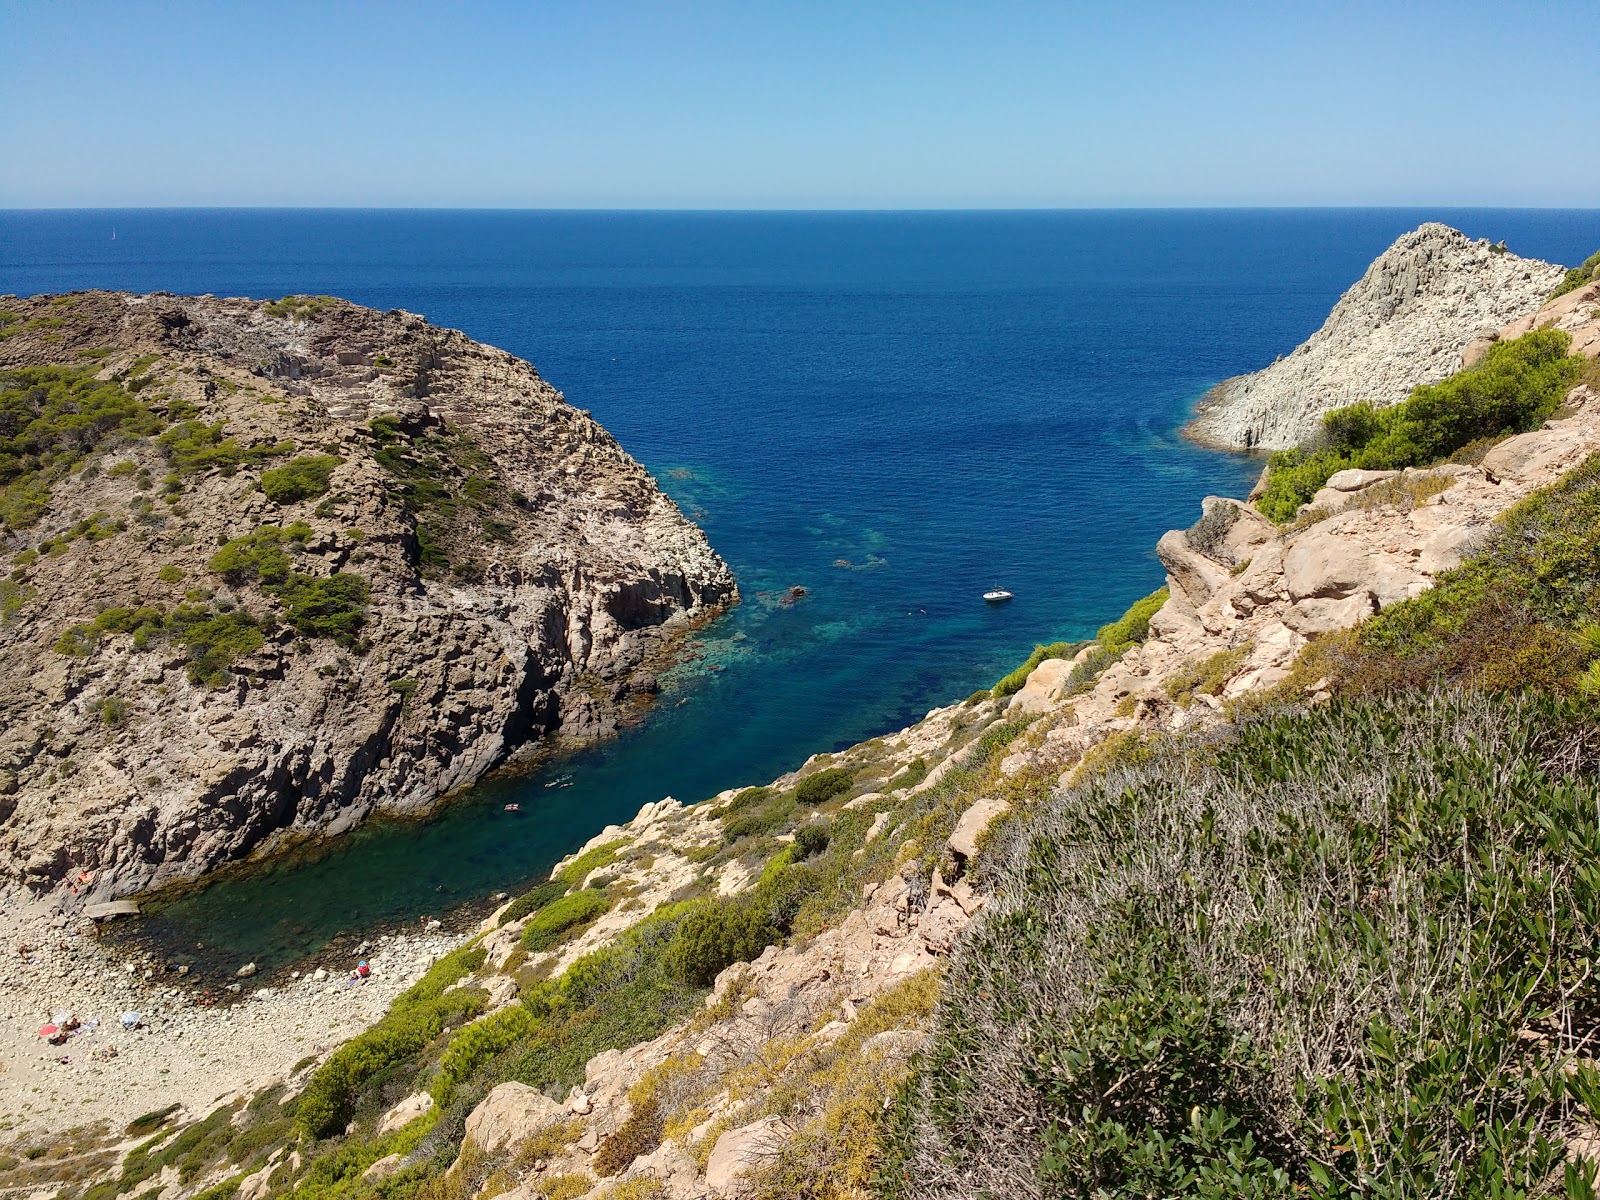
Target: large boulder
(740,1150)
(1043,688)
(974,823)
(405,1112)
(509,1115)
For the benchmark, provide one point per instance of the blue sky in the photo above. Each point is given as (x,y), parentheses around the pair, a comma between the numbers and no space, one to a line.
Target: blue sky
(752,104)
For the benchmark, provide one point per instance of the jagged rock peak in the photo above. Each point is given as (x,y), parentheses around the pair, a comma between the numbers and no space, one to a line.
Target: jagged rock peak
(1405,322)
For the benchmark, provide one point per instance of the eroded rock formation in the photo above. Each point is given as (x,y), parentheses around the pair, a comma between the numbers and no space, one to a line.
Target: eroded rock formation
(1403,323)
(520,571)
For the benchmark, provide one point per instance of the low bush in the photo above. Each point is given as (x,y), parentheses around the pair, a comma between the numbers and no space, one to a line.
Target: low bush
(1579,275)
(915,772)
(1132,626)
(476,1044)
(536,898)
(748,798)
(590,861)
(1344,953)
(1514,615)
(824,785)
(1011,684)
(260,557)
(1516,386)
(318,606)
(301,478)
(771,814)
(1204,678)
(561,918)
(416,1017)
(713,934)
(194,446)
(810,839)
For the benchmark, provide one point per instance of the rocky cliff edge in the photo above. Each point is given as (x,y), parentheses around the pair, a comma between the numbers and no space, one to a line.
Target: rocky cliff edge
(276,566)
(1403,323)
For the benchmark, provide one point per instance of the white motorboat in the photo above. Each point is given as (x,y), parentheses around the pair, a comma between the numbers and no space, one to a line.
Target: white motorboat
(997,596)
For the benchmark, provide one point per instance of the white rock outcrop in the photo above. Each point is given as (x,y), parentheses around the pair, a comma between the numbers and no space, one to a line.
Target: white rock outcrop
(1407,321)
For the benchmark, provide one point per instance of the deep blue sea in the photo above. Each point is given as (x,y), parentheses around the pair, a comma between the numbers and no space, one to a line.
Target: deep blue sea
(946,401)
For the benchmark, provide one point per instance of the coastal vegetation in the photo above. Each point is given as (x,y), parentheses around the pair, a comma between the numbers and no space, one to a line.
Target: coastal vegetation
(1579,275)
(1329,951)
(1337,953)
(1516,386)
(1011,683)
(302,478)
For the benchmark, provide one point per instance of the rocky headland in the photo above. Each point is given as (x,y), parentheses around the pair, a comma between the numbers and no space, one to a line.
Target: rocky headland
(722,999)
(1405,322)
(274,567)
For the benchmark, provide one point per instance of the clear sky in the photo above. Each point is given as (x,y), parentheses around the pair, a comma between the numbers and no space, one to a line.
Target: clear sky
(759,104)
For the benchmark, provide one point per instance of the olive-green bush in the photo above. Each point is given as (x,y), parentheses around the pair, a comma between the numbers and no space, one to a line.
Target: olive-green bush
(536,898)
(1012,683)
(560,918)
(416,1017)
(824,785)
(1516,386)
(1345,953)
(301,478)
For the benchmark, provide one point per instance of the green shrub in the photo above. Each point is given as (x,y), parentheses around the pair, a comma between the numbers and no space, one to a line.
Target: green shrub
(1132,626)
(50,418)
(1511,616)
(915,772)
(771,814)
(416,1017)
(1310,960)
(476,1044)
(194,446)
(591,860)
(13,596)
(544,893)
(561,918)
(810,839)
(298,308)
(325,606)
(1577,276)
(1011,684)
(259,557)
(1516,386)
(824,785)
(748,798)
(214,641)
(318,606)
(300,478)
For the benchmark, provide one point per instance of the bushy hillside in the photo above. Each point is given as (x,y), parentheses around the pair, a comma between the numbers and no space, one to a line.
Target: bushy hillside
(1337,951)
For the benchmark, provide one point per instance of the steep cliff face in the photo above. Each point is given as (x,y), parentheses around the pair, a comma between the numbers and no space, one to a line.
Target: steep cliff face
(274,567)
(1403,323)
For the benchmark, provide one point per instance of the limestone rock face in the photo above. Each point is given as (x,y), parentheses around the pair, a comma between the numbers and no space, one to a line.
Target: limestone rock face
(523,573)
(511,1114)
(1407,321)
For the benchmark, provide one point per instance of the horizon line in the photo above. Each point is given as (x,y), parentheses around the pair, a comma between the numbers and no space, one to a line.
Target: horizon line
(833,209)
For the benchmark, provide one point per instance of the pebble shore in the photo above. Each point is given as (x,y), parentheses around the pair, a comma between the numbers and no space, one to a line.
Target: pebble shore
(182,1053)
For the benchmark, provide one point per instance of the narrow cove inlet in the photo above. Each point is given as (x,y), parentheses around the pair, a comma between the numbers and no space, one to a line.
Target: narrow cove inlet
(894,412)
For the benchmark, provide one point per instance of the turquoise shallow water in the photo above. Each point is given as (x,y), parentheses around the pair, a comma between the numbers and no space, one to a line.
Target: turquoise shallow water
(943,400)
